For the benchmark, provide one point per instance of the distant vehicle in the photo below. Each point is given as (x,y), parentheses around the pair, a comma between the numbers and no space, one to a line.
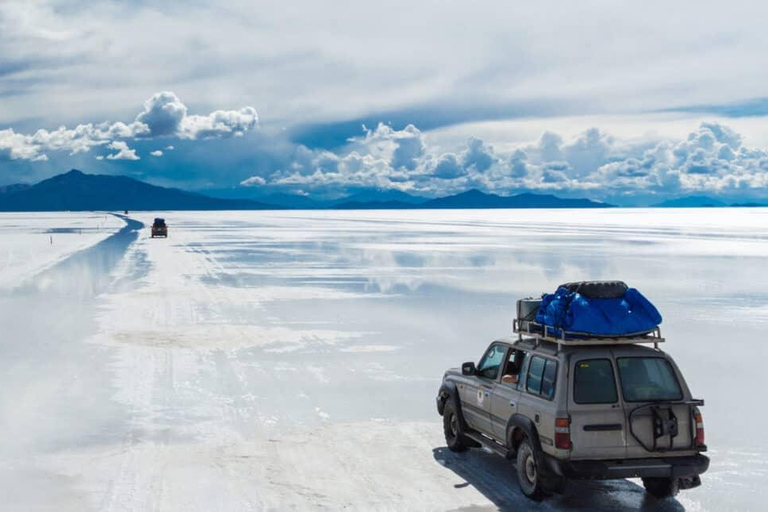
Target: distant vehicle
(570,406)
(159,228)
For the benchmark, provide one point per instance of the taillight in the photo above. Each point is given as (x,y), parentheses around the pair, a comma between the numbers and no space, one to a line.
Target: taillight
(563,433)
(699,427)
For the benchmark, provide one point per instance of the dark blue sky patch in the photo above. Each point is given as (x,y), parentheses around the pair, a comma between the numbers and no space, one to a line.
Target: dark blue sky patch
(749,108)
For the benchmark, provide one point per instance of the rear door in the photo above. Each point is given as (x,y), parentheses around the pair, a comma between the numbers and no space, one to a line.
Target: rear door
(537,395)
(476,395)
(595,408)
(649,387)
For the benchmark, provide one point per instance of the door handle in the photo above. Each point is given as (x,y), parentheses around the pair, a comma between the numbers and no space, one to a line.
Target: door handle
(512,403)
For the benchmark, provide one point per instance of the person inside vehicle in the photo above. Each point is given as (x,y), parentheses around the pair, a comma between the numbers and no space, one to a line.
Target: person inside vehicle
(513,367)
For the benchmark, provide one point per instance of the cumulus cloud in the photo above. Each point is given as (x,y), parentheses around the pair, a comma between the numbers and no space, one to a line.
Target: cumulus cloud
(712,159)
(157,153)
(123,151)
(402,148)
(164,115)
(448,167)
(478,156)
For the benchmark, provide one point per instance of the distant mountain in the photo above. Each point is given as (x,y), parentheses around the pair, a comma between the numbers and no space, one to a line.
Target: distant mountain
(476,199)
(10,189)
(374,205)
(691,202)
(259,195)
(364,198)
(749,205)
(77,191)
(380,196)
(291,201)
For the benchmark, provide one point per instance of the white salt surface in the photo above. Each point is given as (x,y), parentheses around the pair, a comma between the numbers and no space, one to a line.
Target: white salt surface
(32,242)
(289,360)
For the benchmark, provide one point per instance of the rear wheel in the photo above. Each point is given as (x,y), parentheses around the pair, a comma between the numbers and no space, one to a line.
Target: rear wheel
(454,436)
(528,471)
(661,487)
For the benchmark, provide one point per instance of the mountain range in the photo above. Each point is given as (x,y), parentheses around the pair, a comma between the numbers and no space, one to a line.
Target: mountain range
(77,191)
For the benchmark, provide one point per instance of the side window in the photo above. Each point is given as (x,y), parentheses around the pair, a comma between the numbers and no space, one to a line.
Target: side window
(541,377)
(548,380)
(594,383)
(535,371)
(491,362)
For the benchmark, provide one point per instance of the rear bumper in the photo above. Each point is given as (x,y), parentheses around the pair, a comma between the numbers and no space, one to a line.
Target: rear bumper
(674,467)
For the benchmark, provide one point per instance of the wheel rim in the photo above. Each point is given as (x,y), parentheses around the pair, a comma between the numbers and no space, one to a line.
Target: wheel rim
(454,423)
(530,467)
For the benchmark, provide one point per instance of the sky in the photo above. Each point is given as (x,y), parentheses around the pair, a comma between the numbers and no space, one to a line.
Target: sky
(627,103)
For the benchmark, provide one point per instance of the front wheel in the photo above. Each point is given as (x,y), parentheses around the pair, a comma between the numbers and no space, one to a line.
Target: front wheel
(454,436)
(528,471)
(662,487)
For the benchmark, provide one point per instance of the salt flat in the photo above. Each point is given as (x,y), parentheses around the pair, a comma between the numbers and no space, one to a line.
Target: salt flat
(31,242)
(289,360)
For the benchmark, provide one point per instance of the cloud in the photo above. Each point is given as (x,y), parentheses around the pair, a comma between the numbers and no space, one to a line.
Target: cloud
(157,153)
(164,115)
(478,155)
(448,167)
(402,148)
(123,151)
(56,58)
(253,181)
(711,159)
(518,168)
(15,146)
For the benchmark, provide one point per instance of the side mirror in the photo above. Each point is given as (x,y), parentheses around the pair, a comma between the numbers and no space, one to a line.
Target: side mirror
(468,368)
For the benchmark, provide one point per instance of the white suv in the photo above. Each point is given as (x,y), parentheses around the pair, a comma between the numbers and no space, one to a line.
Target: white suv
(581,409)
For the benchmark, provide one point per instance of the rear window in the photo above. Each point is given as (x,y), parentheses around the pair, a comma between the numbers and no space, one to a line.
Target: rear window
(646,379)
(541,377)
(594,382)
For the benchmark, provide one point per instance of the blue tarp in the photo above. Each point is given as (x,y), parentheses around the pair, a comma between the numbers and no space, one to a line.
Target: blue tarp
(571,311)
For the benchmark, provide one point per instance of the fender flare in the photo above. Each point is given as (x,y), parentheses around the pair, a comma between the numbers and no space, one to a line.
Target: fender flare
(448,389)
(518,421)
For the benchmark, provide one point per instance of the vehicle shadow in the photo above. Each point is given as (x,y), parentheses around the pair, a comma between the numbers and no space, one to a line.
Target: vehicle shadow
(495,478)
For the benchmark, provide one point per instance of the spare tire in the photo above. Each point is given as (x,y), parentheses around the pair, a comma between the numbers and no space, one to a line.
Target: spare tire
(598,289)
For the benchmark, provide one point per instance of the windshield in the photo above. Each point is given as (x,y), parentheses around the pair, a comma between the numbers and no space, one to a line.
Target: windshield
(646,379)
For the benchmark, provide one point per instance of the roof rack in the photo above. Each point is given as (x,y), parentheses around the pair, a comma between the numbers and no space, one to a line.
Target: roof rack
(539,332)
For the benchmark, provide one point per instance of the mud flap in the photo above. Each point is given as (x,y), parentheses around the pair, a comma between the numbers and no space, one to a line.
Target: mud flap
(690,482)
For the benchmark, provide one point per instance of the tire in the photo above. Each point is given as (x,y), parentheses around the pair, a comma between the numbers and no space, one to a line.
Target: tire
(529,472)
(661,488)
(454,435)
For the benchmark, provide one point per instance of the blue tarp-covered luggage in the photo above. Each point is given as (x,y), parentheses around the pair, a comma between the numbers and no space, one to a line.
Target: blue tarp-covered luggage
(598,308)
